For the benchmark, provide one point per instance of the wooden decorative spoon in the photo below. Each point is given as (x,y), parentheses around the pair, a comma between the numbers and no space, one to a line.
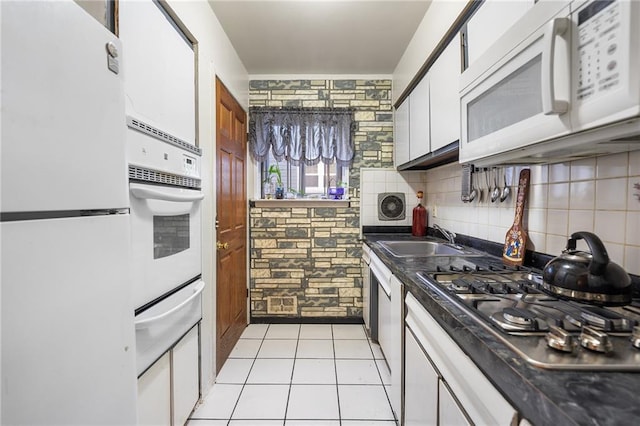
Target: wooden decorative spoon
(516,238)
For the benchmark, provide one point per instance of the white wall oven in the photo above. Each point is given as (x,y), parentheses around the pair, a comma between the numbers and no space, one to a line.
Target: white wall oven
(166,242)
(562,83)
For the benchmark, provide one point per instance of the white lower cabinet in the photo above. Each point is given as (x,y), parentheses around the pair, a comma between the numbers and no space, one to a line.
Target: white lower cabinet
(420,385)
(186,376)
(390,336)
(449,411)
(154,393)
(442,385)
(170,388)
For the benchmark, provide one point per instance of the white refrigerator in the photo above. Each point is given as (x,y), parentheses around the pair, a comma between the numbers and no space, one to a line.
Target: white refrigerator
(68,345)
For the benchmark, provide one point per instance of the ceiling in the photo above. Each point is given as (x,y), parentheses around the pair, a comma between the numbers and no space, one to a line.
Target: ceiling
(320,36)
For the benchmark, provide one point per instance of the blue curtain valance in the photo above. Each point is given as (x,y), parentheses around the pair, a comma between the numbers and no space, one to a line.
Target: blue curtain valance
(302,135)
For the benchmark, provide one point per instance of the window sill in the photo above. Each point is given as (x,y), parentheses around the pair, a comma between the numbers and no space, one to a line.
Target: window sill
(299,202)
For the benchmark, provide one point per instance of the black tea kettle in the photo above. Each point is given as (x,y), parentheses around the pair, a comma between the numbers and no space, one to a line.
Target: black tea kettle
(587,277)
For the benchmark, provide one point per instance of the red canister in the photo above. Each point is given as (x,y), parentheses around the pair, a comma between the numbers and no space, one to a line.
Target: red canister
(419,225)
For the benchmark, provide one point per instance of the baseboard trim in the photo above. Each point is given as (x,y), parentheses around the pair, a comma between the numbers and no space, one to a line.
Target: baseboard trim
(305,320)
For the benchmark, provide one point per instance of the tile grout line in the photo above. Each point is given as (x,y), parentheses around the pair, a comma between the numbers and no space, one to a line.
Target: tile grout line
(293,368)
(248,374)
(335,368)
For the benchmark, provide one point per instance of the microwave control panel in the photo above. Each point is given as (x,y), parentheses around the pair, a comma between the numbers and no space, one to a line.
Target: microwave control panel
(599,53)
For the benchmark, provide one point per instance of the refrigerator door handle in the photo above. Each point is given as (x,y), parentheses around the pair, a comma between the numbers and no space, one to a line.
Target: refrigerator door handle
(153,194)
(145,323)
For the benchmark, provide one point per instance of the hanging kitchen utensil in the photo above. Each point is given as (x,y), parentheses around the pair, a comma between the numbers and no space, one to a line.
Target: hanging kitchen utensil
(474,192)
(495,194)
(516,237)
(506,191)
(467,185)
(587,277)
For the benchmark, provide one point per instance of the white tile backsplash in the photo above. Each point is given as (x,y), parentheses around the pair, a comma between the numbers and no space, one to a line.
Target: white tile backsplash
(595,195)
(583,169)
(558,196)
(611,194)
(559,172)
(633,229)
(580,220)
(610,226)
(634,163)
(616,165)
(582,195)
(377,181)
(558,222)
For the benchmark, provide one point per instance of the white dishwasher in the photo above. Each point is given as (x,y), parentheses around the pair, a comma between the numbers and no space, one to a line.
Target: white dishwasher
(389,325)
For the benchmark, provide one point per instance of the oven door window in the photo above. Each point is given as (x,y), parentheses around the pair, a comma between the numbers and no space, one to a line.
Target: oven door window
(170,235)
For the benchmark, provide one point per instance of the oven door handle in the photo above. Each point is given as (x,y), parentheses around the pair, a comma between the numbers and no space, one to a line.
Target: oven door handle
(153,194)
(144,323)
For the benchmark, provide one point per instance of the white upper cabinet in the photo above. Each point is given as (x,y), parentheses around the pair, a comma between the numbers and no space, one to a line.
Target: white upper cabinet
(491,21)
(419,119)
(444,76)
(401,136)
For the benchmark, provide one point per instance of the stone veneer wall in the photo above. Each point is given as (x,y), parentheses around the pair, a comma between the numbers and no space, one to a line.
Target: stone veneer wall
(305,262)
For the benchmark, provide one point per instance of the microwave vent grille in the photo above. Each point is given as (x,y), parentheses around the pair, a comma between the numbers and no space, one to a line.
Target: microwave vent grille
(148,175)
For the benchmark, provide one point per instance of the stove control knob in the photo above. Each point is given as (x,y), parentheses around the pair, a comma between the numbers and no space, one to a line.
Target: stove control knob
(595,340)
(635,337)
(560,339)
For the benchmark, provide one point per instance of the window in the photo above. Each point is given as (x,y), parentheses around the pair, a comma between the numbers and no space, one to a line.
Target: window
(304,181)
(309,150)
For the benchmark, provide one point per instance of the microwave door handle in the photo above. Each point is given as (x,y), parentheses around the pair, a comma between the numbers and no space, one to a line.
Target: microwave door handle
(550,105)
(153,194)
(144,323)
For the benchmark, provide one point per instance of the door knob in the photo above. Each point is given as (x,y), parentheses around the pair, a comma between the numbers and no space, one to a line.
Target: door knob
(222,246)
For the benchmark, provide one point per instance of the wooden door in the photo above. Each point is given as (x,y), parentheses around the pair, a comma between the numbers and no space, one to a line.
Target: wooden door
(231,223)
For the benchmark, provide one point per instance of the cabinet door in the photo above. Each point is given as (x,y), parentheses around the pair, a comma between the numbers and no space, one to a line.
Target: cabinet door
(419,135)
(154,394)
(186,372)
(451,414)
(444,77)
(384,322)
(401,137)
(491,21)
(395,341)
(420,385)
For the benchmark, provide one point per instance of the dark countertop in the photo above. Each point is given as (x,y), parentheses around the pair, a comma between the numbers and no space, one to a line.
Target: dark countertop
(544,397)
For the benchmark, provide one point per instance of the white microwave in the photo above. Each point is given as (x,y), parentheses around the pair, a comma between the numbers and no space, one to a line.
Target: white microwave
(562,83)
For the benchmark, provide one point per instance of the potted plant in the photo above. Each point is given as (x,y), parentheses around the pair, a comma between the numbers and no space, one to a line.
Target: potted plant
(274,172)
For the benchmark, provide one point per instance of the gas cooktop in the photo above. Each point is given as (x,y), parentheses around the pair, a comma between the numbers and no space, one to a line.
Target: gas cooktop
(545,331)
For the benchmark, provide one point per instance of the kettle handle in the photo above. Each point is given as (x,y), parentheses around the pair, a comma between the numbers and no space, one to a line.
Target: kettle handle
(599,256)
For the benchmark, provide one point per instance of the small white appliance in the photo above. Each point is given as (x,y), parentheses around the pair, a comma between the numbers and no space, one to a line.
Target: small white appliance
(67,318)
(562,83)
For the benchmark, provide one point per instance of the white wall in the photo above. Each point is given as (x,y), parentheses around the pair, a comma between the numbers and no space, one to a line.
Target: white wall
(216,57)
(439,17)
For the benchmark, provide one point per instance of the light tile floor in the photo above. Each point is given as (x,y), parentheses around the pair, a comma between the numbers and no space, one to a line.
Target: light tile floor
(300,375)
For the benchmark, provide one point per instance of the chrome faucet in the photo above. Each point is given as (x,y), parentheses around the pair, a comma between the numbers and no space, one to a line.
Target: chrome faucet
(448,235)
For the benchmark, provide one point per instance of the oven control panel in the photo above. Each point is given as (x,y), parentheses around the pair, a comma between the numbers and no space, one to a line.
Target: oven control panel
(190,166)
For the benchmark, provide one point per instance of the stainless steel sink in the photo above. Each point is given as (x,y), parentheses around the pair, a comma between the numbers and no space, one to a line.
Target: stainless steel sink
(423,249)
